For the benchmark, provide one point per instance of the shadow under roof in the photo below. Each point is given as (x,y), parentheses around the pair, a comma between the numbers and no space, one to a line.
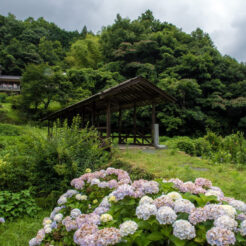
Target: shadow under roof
(136,91)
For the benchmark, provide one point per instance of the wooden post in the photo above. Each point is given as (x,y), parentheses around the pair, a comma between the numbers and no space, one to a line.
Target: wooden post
(108,120)
(153,122)
(120,124)
(134,124)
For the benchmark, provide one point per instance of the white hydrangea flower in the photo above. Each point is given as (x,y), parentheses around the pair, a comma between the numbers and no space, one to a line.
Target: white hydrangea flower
(146,199)
(145,210)
(166,215)
(47,221)
(226,222)
(183,230)
(229,210)
(216,193)
(62,200)
(47,229)
(183,206)
(105,202)
(220,237)
(95,181)
(80,197)
(128,227)
(239,205)
(75,213)
(174,195)
(112,199)
(243,228)
(34,242)
(58,217)
(106,218)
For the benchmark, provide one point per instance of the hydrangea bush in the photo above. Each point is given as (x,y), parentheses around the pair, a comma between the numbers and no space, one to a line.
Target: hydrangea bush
(107,208)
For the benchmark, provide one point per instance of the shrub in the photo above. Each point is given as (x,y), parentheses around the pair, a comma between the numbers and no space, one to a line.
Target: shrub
(108,209)
(214,140)
(49,164)
(13,205)
(187,146)
(230,149)
(235,145)
(202,147)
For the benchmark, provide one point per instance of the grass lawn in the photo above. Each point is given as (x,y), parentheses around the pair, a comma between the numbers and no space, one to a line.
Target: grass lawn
(176,164)
(20,231)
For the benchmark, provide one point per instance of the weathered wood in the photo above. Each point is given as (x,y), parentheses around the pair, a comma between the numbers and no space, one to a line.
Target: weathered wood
(108,120)
(137,90)
(134,123)
(130,94)
(153,122)
(120,124)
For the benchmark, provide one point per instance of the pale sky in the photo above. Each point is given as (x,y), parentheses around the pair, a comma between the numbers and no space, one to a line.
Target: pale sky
(223,20)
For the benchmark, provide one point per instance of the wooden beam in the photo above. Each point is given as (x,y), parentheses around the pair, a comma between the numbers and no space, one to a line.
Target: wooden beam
(153,122)
(134,123)
(120,124)
(108,120)
(120,87)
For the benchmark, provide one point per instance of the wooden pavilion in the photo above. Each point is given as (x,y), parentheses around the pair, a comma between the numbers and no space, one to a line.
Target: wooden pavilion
(129,94)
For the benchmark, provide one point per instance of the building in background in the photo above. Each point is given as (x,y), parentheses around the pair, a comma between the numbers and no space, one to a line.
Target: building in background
(9,83)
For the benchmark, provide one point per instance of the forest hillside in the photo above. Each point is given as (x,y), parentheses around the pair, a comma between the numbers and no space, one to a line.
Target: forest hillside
(60,67)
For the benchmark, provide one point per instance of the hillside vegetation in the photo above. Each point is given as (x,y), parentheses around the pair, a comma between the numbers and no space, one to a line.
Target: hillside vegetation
(61,67)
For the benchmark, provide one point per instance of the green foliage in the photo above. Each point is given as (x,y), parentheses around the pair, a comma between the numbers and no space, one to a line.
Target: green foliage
(209,88)
(85,53)
(3,97)
(91,81)
(10,130)
(31,41)
(198,147)
(48,164)
(13,205)
(19,231)
(230,149)
(42,84)
(187,146)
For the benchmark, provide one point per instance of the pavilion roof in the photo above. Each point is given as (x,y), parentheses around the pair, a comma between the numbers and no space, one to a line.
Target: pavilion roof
(136,91)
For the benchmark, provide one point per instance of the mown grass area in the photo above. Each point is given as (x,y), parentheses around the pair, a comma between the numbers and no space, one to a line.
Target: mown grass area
(176,164)
(20,231)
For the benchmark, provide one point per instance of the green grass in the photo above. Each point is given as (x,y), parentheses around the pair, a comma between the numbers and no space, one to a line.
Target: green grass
(19,232)
(176,164)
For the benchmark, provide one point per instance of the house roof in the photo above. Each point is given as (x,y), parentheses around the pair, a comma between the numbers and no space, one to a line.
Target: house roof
(10,78)
(136,91)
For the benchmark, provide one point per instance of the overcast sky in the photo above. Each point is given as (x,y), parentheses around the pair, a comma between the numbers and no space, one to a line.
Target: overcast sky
(224,20)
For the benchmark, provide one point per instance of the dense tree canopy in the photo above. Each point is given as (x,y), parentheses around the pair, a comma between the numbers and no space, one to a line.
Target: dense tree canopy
(210,88)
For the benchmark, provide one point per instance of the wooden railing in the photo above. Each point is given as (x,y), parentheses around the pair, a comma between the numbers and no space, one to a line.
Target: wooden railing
(127,138)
